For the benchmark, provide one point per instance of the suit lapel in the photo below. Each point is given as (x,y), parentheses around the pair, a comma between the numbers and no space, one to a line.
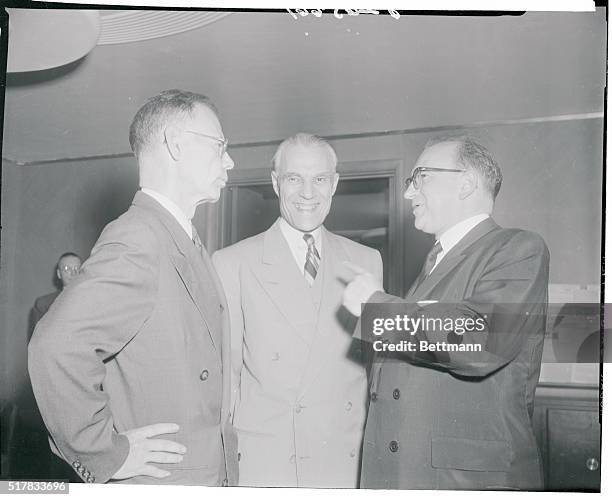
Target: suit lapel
(331,291)
(190,266)
(281,279)
(452,259)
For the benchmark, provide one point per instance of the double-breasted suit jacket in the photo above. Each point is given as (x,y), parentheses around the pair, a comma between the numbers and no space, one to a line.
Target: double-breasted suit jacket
(137,339)
(299,378)
(462,420)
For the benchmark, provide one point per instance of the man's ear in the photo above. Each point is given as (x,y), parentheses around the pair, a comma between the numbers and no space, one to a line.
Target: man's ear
(59,275)
(335,182)
(469,184)
(274,176)
(172,141)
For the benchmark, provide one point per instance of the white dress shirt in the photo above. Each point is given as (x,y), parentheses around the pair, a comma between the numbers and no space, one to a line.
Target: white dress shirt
(173,208)
(455,234)
(295,240)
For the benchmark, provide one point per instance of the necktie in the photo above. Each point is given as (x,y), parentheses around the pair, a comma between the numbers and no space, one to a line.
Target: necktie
(196,239)
(429,263)
(312,259)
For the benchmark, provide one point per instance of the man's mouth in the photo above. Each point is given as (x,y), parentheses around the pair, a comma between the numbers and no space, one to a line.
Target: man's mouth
(308,208)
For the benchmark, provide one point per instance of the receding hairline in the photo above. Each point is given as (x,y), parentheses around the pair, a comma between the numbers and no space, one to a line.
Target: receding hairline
(324,147)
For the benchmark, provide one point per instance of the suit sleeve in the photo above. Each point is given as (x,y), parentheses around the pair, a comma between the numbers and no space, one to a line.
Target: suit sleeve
(228,271)
(377,267)
(508,302)
(93,320)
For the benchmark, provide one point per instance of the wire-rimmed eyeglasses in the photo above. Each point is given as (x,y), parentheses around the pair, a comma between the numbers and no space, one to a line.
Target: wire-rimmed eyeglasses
(223,142)
(73,270)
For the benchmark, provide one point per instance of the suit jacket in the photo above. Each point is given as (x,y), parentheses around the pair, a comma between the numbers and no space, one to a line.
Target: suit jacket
(137,339)
(41,306)
(460,420)
(299,377)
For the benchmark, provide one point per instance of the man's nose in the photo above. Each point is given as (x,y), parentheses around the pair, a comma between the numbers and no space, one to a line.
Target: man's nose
(228,163)
(410,192)
(307,191)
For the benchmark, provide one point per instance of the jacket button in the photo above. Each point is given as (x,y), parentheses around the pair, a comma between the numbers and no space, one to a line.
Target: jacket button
(373,396)
(292,459)
(396,393)
(239,456)
(393,446)
(353,452)
(204,375)
(349,405)
(298,408)
(224,482)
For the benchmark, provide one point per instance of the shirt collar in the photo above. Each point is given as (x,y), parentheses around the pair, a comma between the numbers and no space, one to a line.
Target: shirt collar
(295,237)
(173,208)
(452,236)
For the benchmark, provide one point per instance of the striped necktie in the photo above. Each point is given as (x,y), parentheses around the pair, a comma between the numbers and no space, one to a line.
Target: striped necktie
(430,261)
(312,259)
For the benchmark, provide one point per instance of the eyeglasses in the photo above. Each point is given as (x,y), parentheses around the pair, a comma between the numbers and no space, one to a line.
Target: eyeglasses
(298,180)
(416,179)
(223,142)
(70,269)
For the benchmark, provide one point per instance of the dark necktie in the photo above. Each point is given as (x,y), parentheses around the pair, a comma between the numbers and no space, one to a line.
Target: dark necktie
(311,266)
(196,239)
(430,261)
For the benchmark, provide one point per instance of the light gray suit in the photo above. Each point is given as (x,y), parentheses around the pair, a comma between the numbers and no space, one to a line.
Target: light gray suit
(137,339)
(299,378)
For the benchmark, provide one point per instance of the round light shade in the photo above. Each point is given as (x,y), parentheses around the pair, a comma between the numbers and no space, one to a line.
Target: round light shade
(42,39)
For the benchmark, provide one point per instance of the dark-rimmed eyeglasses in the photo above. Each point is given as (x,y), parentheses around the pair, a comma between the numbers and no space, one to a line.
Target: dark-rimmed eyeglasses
(223,142)
(416,179)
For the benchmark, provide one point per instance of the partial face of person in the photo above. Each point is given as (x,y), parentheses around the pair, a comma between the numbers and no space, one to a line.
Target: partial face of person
(68,269)
(305,182)
(206,160)
(436,200)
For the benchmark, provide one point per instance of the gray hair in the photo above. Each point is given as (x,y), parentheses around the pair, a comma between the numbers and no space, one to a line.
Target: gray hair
(306,141)
(473,155)
(160,110)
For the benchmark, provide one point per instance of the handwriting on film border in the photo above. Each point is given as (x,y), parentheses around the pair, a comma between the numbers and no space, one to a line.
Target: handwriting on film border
(338,14)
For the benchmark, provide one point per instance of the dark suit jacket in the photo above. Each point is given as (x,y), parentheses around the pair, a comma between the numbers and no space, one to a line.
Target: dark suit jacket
(457,420)
(137,339)
(41,306)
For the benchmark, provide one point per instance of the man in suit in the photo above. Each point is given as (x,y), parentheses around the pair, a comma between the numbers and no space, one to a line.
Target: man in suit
(299,378)
(34,458)
(135,347)
(451,418)
(68,266)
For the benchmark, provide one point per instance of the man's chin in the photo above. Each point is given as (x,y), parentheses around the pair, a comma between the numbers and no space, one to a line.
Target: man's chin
(304,226)
(212,198)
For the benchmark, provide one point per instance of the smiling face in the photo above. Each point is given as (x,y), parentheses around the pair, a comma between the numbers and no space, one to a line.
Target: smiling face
(204,165)
(305,182)
(437,204)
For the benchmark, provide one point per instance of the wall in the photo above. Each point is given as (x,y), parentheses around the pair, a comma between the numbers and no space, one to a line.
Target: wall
(552,185)
(553,174)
